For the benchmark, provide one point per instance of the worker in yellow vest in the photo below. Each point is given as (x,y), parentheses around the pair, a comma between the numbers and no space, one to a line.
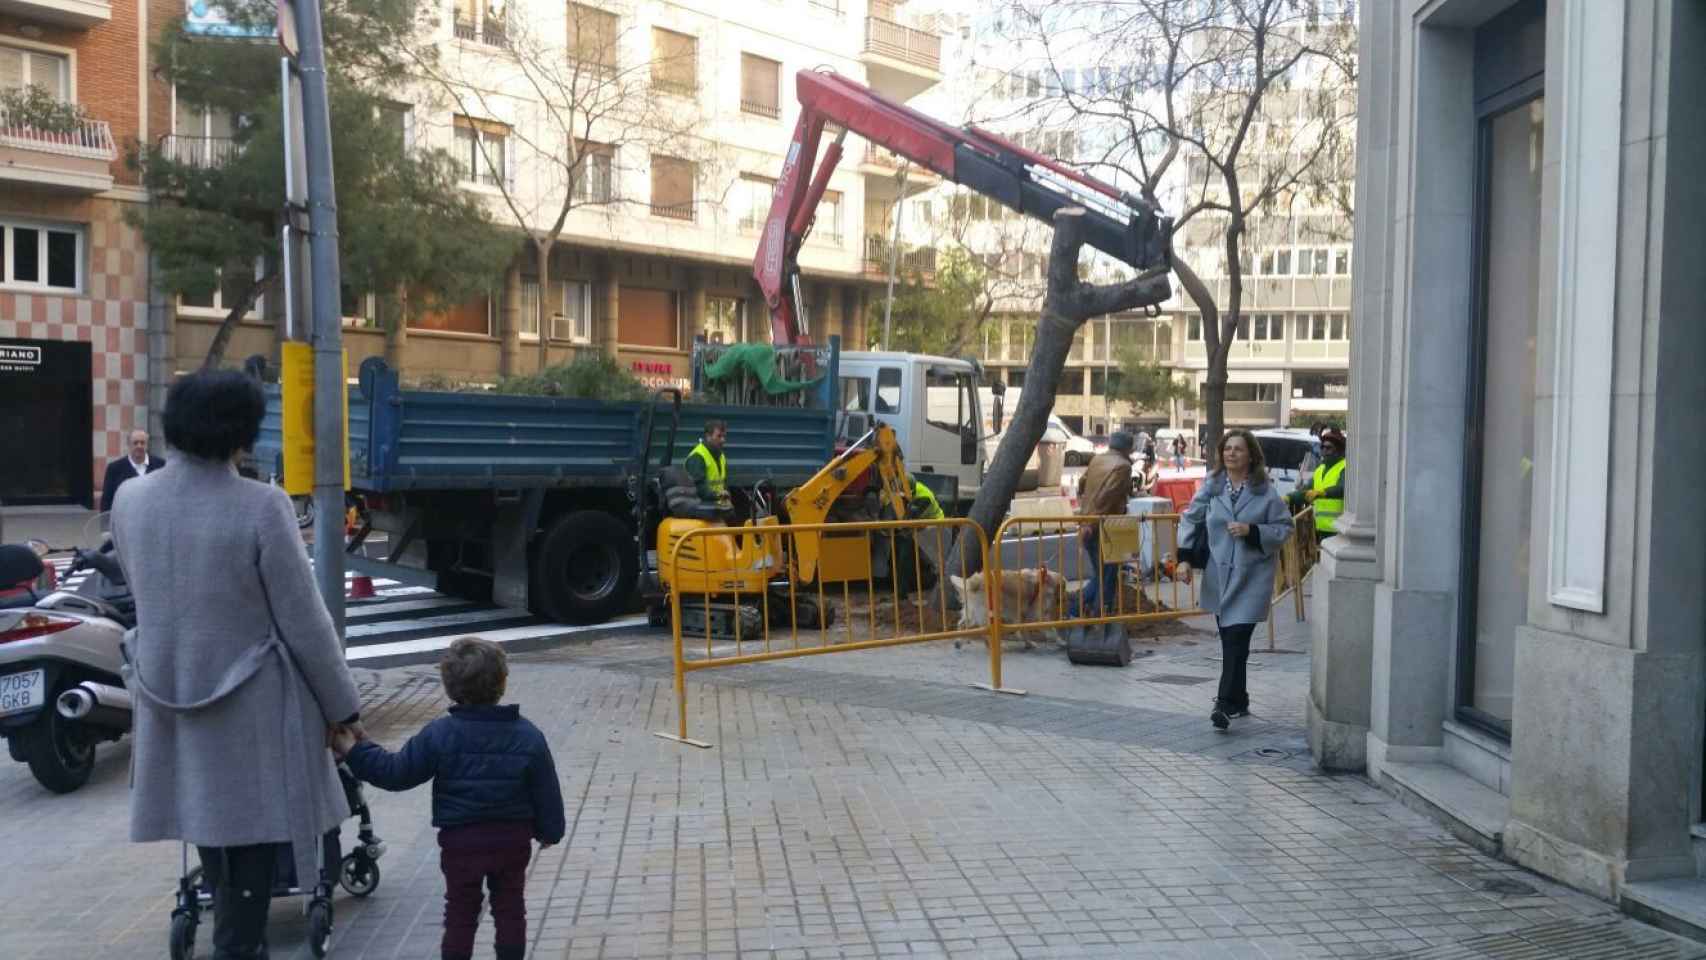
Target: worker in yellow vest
(1325,488)
(924,505)
(708,465)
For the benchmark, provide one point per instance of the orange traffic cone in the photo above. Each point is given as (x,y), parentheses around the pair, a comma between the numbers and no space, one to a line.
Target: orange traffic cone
(361,587)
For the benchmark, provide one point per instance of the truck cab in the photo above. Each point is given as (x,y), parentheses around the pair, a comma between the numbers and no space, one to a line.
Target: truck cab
(932,404)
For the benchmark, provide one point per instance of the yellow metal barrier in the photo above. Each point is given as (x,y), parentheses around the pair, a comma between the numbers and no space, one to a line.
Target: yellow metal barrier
(1296,561)
(1143,547)
(808,611)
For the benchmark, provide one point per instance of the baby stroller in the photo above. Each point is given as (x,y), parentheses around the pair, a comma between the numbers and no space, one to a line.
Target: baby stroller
(357,872)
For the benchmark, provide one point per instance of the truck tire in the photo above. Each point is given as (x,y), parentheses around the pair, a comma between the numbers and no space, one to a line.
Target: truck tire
(587,567)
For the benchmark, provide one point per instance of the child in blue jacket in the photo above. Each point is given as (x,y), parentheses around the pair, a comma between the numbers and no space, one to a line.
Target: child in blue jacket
(494,791)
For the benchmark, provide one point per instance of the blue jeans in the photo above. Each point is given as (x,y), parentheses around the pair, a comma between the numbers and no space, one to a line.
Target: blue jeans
(1105,585)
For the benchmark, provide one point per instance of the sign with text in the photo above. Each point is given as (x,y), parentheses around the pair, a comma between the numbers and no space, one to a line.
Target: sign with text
(211,18)
(18,358)
(658,372)
(296,383)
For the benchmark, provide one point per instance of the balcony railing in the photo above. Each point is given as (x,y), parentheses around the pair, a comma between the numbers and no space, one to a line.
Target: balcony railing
(675,211)
(760,108)
(903,43)
(198,151)
(87,139)
(491,33)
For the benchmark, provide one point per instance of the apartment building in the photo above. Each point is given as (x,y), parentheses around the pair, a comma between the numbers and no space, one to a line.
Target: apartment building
(657,248)
(74,93)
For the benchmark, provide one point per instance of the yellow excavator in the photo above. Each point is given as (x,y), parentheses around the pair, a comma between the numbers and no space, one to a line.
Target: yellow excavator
(732,579)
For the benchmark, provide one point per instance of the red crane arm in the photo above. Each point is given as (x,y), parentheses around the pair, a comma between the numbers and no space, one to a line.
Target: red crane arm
(1117,223)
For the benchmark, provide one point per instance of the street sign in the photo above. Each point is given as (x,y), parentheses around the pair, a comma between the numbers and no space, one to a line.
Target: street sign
(211,18)
(287,29)
(296,380)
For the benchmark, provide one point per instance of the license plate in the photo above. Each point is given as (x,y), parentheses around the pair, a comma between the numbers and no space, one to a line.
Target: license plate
(22,691)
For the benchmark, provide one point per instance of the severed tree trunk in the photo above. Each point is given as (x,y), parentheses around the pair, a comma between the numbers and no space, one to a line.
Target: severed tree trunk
(1070,302)
(222,337)
(542,253)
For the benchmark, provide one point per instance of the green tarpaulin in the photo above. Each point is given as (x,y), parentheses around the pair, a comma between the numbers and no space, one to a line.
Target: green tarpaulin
(757,360)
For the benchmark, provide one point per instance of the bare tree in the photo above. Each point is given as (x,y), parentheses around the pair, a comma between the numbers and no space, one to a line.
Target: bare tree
(1154,83)
(550,117)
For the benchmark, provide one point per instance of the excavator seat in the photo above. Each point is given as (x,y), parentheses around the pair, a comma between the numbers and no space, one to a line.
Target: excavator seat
(681,497)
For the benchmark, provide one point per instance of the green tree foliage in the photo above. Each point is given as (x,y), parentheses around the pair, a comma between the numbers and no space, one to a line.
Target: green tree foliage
(939,312)
(404,223)
(1144,384)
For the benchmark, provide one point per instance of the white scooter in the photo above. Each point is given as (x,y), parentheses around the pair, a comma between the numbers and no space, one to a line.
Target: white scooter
(60,689)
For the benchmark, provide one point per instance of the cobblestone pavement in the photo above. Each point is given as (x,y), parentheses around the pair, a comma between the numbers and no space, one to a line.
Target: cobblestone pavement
(871,804)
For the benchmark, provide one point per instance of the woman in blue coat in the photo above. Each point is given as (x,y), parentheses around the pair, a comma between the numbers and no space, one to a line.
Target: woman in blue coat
(1246,522)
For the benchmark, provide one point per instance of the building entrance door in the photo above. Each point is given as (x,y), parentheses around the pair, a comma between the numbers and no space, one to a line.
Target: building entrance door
(46,422)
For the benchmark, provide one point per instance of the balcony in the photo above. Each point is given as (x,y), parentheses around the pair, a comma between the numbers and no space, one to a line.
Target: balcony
(491,33)
(900,61)
(675,211)
(77,159)
(76,14)
(882,167)
(208,152)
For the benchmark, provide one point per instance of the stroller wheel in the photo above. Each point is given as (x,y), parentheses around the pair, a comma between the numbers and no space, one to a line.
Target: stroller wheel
(358,875)
(182,942)
(319,926)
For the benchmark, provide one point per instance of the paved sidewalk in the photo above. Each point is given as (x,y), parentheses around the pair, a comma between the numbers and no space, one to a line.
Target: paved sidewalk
(871,804)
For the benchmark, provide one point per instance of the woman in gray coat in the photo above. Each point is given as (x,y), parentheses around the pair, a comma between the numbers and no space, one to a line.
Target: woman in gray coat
(1246,522)
(235,668)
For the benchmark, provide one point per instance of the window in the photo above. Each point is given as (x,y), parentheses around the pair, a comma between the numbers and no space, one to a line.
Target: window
(855,394)
(888,390)
(725,321)
(1319,266)
(1282,262)
(234,280)
(827,225)
(1323,326)
(1071,383)
(760,86)
(1342,263)
(1251,392)
(481,20)
(1337,328)
(1033,84)
(948,405)
(482,151)
(592,37)
(649,318)
(1320,386)
(752,200)
(399,120)
(597,180)
(1015,378)
(50,71)
(573,320)
(1193,327)
(675,62)
(528,324)
(474,317)
(1268,264)
(1244,328)
(672,188)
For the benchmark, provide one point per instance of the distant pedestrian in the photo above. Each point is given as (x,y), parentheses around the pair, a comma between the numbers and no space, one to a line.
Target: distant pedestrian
(1246,522)
(235,667)
(1178,453)
(1143,484)
(494,791)
(137,462)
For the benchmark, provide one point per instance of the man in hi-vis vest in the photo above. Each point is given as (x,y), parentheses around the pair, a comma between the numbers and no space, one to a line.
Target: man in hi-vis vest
(708,466)
(1325,488)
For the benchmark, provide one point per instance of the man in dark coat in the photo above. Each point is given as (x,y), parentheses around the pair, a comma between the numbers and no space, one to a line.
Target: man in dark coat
(137,463)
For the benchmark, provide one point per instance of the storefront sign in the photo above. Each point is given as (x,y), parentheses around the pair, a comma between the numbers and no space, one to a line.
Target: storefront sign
(17,358)
(658,373)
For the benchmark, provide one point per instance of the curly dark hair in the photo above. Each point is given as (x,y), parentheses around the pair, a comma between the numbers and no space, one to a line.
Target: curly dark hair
(474,671)
(212,414)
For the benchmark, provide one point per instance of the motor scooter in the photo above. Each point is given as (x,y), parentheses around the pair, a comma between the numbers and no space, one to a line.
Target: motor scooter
(60,689)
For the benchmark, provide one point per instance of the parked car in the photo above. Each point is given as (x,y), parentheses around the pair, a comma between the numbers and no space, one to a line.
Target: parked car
(1079,450)
(1284,449)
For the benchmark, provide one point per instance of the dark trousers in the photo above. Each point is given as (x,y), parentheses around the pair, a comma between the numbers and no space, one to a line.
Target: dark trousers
(242,879)
(1103,589)
(1234,655)
(496,855)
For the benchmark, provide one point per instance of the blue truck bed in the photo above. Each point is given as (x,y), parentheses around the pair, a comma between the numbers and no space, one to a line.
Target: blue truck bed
(419,440)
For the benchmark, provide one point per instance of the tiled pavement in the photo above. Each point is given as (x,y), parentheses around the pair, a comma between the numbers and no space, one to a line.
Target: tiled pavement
(870,804)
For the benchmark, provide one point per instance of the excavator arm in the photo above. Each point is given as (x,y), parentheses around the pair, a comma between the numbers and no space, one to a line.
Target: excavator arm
(1118,223)
(810,502)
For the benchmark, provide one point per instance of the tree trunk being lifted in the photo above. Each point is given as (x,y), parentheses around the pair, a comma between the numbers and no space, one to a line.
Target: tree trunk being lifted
(1069,303)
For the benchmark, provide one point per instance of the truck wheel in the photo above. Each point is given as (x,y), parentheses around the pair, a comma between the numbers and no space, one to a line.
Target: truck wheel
(587,567)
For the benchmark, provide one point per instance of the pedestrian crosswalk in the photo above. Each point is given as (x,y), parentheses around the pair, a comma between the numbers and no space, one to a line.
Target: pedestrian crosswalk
(407,623)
